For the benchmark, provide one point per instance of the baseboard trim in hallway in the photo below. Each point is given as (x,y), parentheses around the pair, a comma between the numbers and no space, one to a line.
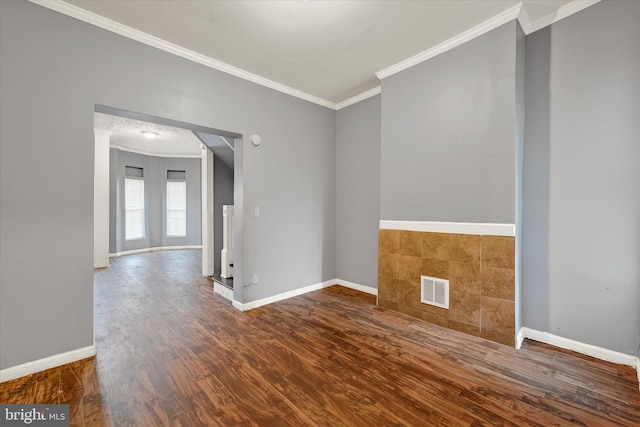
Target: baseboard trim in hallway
(159,248)
(294,293)
(35,366)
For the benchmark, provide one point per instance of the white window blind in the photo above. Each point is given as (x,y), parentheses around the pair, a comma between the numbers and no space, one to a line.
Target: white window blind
(134,209)
(176,208)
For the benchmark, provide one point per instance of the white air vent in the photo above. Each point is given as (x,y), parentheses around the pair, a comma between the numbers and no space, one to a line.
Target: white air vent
(434,291)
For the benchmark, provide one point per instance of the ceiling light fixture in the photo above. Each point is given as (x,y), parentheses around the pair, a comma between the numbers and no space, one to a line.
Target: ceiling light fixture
(149,134)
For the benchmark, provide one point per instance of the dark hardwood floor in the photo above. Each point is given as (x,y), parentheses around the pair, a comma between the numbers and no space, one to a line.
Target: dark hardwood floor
(170,352)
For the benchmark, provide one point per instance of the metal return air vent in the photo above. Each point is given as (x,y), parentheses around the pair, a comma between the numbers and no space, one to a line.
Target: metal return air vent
(434,291)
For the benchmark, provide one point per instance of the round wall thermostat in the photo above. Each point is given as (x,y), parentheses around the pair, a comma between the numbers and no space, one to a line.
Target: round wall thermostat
(255,139)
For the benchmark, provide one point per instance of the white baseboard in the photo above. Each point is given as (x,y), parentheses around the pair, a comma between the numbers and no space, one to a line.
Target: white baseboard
(520,338)
(294,293)
(580,347)
(223,291)
(357,286)
(29,368)
(279,297)
(159,248)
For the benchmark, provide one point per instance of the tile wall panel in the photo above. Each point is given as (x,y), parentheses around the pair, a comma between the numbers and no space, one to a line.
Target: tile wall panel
(480,270)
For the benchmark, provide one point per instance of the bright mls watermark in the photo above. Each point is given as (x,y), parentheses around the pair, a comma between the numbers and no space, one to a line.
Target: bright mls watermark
(34,415)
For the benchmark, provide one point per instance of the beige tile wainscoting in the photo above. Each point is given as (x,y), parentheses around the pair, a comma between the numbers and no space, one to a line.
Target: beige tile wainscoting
(480,270)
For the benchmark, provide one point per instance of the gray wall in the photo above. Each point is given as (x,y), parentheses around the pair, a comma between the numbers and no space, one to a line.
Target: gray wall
(222,195)
(358,191)
(54,69)
(448,129)
(582,178)
(155,181)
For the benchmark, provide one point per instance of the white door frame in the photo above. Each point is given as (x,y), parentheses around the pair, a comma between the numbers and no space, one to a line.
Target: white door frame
(207,211)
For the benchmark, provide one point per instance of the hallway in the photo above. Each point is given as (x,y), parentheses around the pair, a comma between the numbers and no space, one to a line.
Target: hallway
(170,352)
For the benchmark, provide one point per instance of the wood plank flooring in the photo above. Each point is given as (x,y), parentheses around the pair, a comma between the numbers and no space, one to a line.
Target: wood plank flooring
(170,352)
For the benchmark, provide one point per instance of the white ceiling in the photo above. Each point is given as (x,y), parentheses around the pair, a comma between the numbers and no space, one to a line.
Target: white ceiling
(328,49)
(170,142)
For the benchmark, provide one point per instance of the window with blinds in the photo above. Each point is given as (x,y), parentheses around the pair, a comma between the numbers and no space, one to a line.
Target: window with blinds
(134,209)
(176,204)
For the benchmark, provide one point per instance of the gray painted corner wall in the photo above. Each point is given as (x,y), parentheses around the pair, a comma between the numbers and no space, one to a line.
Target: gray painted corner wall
(582,178)
(54,70)
(521,46)
(155,181)
(358,191)
(222,195)
(448,129)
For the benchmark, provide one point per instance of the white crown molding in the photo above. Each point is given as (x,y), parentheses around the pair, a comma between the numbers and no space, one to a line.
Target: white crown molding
(149,153)
(579,347)
(132,33)
(524,19)
(516,12)
(485,229)
(488,25)
(563,12)
(29,368)
(361,97)
(158,248)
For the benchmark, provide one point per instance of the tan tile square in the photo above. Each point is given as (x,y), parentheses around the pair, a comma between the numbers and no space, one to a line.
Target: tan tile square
(498,315)
(389,241)
(388,288)
(463,327)
(464,307)
(435,246)
(408,294)
(435,268)
(491,335)
(427,308)
(392,305)
(411,243)
(434,318)
(464,277)
(388,264)
(410,268)
(464,248)
(498,251)
(498,283)
(411,311)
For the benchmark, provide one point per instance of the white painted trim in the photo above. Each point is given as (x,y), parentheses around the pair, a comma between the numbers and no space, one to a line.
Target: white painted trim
(580,347)
(520,338)
(361,97)
(226,141)
(486,229)
(223,291)
(285,295)
(357,287)
(524,19)
(149,153)
(29,368)
(159,248)
(480,29)
(296,292)
(563,12)
(132,33)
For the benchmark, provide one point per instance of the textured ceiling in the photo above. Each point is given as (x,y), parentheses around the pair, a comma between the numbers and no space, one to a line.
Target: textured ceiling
(171,141)
(329,49)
